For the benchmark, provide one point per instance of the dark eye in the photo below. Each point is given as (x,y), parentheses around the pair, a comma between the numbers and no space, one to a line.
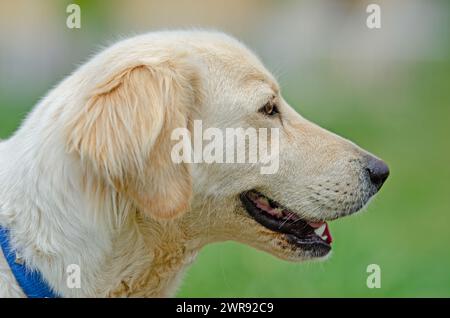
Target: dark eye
(270,109)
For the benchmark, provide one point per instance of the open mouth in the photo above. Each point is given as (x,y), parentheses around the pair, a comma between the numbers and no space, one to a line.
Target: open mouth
(310,236)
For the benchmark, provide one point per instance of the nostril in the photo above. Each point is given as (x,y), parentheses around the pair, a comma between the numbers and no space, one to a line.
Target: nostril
(378,171)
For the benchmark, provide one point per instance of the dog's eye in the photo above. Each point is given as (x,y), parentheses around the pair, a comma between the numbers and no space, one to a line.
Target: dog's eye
(270,109)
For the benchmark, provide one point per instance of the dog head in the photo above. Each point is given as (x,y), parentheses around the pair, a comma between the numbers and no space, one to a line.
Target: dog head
(150,86)
(304,175)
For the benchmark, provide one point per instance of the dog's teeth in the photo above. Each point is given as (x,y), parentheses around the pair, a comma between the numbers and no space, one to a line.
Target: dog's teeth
(325,237)
(320,230)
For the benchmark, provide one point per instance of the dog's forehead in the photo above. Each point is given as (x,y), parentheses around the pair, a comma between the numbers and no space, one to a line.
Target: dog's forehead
(240,63)
(256,78)
(251,72)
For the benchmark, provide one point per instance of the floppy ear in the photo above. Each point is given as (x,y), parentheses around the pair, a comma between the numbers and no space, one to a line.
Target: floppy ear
(124,134)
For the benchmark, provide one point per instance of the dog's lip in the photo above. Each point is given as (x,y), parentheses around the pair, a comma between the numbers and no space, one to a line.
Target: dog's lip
(274,216)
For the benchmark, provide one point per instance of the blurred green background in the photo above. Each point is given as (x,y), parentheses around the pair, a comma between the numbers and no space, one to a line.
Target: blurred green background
(388,90)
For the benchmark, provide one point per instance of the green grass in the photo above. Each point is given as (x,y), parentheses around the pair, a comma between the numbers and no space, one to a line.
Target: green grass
(406,229)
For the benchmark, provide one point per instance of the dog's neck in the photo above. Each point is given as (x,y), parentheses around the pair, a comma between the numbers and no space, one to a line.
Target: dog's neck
(149,257)
(119,251)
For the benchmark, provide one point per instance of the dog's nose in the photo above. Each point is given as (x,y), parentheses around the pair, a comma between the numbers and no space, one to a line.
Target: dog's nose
(378,171)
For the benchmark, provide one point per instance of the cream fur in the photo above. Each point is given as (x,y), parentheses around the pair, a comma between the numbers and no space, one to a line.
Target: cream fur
(87,179)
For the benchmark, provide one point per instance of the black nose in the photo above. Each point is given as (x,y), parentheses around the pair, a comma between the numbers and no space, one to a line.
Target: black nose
(378,171)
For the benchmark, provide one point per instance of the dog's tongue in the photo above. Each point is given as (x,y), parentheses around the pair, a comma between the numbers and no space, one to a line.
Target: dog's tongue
(263,204)
(324,231)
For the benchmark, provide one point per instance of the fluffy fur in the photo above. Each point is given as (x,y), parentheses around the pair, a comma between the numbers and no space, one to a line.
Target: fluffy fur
(88,179)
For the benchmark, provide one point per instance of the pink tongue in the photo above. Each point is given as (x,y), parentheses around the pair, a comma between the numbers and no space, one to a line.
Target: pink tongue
(268,209)
(262,205)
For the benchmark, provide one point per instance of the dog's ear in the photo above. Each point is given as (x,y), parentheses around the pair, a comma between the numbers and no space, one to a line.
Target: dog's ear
(124,134)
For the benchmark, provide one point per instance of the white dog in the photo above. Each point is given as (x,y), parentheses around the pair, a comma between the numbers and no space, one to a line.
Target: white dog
(88,179)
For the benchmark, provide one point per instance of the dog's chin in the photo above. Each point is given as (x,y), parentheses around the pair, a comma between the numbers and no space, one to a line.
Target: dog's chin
(294,238)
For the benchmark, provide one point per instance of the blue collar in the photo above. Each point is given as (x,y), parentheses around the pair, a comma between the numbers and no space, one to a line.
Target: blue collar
(31,281)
